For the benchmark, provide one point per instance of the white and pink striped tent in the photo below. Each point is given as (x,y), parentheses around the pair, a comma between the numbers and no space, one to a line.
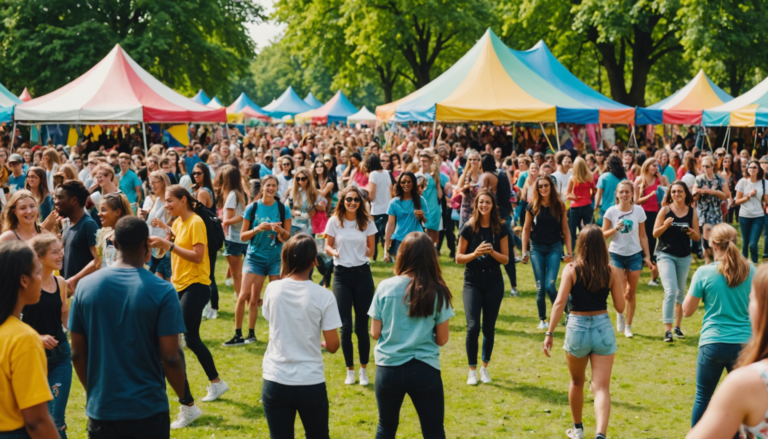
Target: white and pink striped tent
(116,90)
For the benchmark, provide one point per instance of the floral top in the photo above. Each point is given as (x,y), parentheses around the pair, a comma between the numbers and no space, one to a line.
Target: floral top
(708,206)
(759,431)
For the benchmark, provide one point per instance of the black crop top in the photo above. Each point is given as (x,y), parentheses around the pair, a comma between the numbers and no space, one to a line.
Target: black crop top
(583,300)
(45,315)
(546,228)
(674,241)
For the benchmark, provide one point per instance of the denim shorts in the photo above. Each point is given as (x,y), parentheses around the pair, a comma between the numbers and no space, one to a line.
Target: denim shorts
(631,263)
(162,266)
(586,335)
(234,248)
(394,246)
(262,268)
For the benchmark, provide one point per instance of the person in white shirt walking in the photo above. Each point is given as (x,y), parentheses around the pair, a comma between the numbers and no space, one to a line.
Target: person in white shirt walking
(379,194)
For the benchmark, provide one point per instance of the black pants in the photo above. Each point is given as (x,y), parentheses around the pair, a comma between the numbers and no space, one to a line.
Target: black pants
(281,403)
(193,300)
(423,384)
(650,220)
(510,267)
(483,294)
(450,238)
(154,427)
(381,229)
(214,289)
(353,288)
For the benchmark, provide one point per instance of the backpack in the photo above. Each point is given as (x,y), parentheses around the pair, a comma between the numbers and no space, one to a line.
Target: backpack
(280,210)
(213,228)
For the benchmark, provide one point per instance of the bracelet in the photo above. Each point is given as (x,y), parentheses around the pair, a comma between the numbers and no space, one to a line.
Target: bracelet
(170,250)
(549,334)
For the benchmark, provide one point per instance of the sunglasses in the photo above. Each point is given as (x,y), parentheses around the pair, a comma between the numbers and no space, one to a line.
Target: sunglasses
(707,166)
(352,200)
(301,179)
(599,154)
(286,164)
(327,161)
(197,173)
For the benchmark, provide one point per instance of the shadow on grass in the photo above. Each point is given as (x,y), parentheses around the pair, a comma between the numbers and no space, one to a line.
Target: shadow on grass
(546,395)
(511,318)
(690,340)
(247,411)
(461,329)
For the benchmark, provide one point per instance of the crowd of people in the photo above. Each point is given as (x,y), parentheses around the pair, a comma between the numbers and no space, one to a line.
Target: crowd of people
(109,258)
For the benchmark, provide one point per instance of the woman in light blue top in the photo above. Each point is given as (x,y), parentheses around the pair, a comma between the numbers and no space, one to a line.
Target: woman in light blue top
(410,314)
(406,213)
(429,177)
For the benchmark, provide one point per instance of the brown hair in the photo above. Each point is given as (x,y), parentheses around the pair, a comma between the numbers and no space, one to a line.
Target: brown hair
(688,195)
(757,347)
(10,220)
(417,257)
(117,200)
(556,205)
(631,191)
(299,252)
(230,180)
(591,264)
(42,243)
(362,216)
(496,222)
(733,266)
(42,188)
(179,192)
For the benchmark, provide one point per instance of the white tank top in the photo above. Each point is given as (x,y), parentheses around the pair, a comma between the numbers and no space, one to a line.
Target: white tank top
(759,431)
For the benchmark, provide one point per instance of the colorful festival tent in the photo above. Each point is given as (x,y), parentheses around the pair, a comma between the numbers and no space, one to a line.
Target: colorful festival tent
(288,104)
(8,100)
(243,109)
(361,116)
(686,105)
(312,101)
(747,110)
(541,60)
(201,97)
(215,103)
(25,96)
(116,90)
(489,83)
(335,110)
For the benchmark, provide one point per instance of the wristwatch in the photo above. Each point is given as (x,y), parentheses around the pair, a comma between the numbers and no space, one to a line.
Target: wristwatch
(549,334)
(170,250)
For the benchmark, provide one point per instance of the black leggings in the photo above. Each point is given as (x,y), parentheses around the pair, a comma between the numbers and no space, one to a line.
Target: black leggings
(193,300)
(650,220)
(214,289)
(483,293)
(353,288)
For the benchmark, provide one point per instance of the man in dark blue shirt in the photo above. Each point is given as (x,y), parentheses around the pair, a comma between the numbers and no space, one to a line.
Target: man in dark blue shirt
(79,239)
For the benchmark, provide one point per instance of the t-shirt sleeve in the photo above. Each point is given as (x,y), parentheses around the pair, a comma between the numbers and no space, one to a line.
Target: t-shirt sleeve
(504,232)
(424,206)
(198,234)
(75,323)
(266,306)
(331,318)
(641,216)
(601,183)
(330,227)
(170,320)
(444,314)
(392,209)
(371,229)
(248,210)
(467,232)
(740,186)
(91,229)
(28,372)
(135,180)
(375,310)
(697,288)
(231,202)
(288,214)
(610,215)
(148,204)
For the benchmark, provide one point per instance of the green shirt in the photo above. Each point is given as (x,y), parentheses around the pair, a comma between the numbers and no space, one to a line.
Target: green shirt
(726,309)
(404,338)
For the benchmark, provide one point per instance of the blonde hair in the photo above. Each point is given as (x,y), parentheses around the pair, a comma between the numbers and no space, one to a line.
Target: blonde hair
(733,266)
(581,172)
(631,191)
(647,165)
(311,189)
(53,155)
(10,220)
(106,168)
(42,242)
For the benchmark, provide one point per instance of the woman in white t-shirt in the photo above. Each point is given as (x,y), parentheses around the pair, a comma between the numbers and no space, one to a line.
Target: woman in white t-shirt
(157,218)
(350,240)
(233,200)
(379,194)
(624,223)
(292,369)
(750,195)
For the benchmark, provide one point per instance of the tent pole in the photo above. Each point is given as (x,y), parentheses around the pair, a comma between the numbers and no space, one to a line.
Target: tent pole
(727,137)
(226,125)
(434,133)
(557,135)
(13,136)
(144,134)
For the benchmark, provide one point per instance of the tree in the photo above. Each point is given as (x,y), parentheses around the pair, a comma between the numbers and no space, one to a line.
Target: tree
(187,44)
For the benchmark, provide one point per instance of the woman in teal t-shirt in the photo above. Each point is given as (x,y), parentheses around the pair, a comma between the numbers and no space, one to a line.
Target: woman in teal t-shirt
(410,333)
(406,213)
(724,287)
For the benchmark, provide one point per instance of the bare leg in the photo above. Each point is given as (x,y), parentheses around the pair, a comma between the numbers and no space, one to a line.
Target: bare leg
(601,380)
(245,297)
(235,264)
(253,304)
(678,314)
(577,367)
(633,277)
(434,235)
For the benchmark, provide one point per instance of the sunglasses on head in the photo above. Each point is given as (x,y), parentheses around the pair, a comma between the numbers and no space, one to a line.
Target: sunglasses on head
(352,200)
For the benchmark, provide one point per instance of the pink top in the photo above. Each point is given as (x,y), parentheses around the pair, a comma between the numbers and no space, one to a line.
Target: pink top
(583,192)
(360,178)
(652,204)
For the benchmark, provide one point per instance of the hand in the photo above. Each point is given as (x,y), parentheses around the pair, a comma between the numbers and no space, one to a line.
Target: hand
(420,215)
(157,222)
(526,256)
(335,253)
(49,342)
(142,214)
(648,262)
(668,222)
(263,227)
(483,249)
(547,345)
(568,258)
(158,242)
(386,257)
(71,284)
(753,193)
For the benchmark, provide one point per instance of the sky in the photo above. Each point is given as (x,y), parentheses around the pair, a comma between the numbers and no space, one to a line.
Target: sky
(264,33)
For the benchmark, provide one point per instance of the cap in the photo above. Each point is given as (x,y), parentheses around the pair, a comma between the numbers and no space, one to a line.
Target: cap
(764,159)
(16,158)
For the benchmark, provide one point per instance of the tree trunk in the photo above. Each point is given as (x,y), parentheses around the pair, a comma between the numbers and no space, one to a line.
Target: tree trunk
(735,79)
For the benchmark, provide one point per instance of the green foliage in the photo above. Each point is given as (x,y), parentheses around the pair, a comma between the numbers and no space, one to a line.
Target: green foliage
(187,44)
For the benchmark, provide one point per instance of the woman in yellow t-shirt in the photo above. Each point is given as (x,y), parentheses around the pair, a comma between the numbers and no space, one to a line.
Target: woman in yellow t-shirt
(24,392)
(190,269)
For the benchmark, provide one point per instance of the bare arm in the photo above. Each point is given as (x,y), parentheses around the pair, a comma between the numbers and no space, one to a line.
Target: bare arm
(38,422)
(442,333)
(230,219)
(375,329)
(390,230)
(567,235)
(331,341)
(608,229)
(526,235)
(92,266)
(644,243)
(690,305)
(741,392)
(64,290)
(173,364)
(196,254)
(617,289)
(661,225)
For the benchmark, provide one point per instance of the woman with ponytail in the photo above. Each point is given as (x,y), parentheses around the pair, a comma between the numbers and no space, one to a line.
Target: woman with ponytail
(724,287)
(740,405)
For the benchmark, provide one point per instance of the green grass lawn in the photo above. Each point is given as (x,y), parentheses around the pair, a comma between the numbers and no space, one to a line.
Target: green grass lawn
(653,383)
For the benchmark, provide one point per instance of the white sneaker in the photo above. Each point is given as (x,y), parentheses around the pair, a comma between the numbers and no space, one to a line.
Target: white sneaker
(363,374)
(513,292)
(215,390)
(628,332)
(186,416)
(228,282)
(653,283)
(620,322)
(543,325)
(206,310)
(485,377)
(472,379)
(575,433)
(213,314)
(350,377)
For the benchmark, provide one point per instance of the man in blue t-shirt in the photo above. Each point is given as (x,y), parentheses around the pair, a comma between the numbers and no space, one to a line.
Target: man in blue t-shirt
(191,159)
(130,183)
(18,177)
(125,325)
(79,239)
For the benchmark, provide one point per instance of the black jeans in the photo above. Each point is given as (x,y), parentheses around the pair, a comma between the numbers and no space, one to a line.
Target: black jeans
(579,215)
(353,288)
(483,293)
(381,229)
(650,220)
(450,238)
(510,267)
(214,289)
(281,403)
(423,384)
(193,300)
(154,427)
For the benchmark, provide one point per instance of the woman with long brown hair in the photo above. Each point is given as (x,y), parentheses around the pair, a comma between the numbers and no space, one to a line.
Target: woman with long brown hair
(645,185)
(483,248)
(740,404)
(50,162)
(304,201)
(157,218)
(111,208)
(589,337)
(544,217)
(410,320)
(350,239)
(36,183)
(724,287)
(232,199)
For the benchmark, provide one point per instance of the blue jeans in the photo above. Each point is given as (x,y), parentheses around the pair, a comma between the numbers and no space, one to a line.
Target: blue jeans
(15,434)
(750,236)
(510,267)
(60,380)
(520,211)
(577,215)
(765,234)
(545,260)
(673,272)
(423,384)
(712,360)
(281,402)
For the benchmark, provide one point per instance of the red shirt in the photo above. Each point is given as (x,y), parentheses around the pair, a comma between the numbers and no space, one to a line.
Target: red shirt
(584,193)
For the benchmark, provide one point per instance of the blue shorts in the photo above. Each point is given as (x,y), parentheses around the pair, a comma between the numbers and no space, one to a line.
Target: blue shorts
(631,263)
(162,266)
(586,335)
(234,248)
(262,267)
(394,245)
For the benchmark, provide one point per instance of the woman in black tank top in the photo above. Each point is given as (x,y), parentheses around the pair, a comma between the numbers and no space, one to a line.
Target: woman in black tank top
(47,317)
(589,336)
(676,225)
